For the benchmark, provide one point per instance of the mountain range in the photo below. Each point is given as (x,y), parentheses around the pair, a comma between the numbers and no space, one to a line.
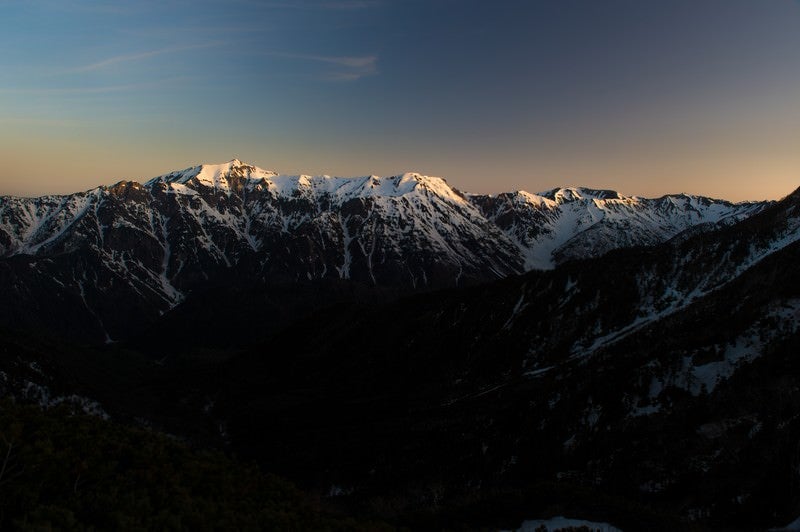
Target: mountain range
(434,359)
(147,247)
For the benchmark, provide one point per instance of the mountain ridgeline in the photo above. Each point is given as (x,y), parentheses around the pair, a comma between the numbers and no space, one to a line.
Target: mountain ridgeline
(100,265)
(422,357)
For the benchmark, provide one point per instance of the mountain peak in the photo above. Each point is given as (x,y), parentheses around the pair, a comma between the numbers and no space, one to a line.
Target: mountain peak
(435,185)
(213,175)
(568,194)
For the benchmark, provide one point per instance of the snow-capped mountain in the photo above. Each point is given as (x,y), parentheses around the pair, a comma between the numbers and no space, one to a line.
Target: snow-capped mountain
(139,249)
(407,230)
(578,223)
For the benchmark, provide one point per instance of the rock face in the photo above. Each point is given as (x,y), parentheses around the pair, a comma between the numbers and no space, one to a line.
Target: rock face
(102,263)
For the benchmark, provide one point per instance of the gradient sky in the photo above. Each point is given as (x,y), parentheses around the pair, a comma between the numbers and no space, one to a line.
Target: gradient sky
(646,97)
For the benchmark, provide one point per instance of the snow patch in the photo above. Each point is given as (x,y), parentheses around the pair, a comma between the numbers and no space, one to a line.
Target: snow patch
(558,523)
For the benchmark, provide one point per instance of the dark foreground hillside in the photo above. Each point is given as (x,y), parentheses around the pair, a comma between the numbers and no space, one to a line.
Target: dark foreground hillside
(60,471)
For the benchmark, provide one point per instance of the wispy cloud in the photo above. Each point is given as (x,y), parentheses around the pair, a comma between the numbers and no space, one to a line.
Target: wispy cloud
(347,68)
(104,89)
(349,4)
(367,62)
(83,6)
(124,58)
(338,5)
(163,32)
(343,76)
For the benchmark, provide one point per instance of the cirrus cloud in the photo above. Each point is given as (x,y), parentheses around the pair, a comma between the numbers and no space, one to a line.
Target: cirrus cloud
(346,68)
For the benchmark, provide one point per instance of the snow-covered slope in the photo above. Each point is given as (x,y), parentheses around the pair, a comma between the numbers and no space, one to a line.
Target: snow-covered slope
(620,298)
(578,223)
(144,247)
(149,245)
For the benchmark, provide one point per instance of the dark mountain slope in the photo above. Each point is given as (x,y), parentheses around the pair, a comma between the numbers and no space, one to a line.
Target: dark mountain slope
(663,375)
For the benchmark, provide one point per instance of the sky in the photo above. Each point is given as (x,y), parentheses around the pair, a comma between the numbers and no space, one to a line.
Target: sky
(642,96)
